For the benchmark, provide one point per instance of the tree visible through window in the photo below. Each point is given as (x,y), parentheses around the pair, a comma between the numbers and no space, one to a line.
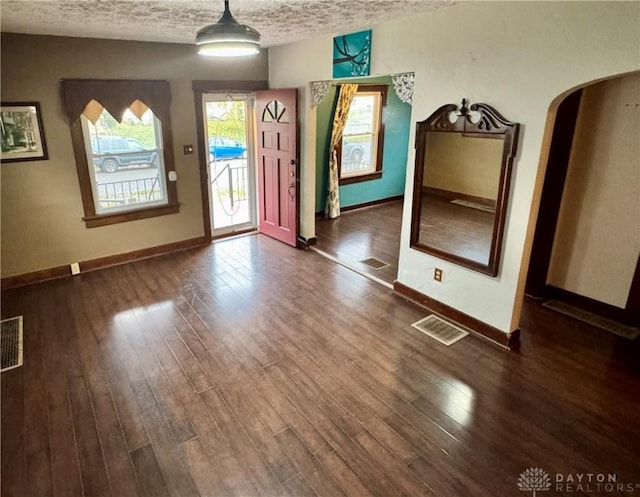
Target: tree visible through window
(126,161)
(121,134)
(363,136)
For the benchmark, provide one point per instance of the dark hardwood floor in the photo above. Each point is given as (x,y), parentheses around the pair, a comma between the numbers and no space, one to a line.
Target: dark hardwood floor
(362,233)
(250,368)
(456,229)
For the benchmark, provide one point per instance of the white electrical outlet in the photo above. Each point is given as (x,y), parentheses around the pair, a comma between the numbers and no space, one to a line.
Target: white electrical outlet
(75,268)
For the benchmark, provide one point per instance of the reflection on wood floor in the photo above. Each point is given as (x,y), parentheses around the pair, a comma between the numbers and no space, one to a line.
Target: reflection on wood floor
(456,229)
(363,233)
(250,368)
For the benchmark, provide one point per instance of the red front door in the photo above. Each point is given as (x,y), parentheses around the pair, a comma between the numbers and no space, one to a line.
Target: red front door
(277,164)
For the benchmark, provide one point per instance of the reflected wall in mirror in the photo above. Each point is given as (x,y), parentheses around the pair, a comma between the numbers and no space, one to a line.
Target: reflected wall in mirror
(463,171)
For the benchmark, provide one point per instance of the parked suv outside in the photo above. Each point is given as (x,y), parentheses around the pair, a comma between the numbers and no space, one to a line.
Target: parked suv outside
(113,152)
(352,152)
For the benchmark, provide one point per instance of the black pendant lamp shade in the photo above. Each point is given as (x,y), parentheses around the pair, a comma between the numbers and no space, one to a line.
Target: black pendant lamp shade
(228,38)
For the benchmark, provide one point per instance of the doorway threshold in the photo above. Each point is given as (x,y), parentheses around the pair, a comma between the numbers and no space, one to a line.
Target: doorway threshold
(352,268)
(236,233)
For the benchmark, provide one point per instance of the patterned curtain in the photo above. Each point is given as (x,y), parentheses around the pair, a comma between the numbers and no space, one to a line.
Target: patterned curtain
(346,94)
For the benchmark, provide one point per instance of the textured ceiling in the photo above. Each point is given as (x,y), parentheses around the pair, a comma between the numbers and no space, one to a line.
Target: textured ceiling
(177,21)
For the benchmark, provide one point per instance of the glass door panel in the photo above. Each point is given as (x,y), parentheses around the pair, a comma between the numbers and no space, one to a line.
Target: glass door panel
(231,166)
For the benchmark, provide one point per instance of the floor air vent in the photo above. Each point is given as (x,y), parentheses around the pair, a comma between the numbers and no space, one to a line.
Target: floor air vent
(374,263)
(11,344)
(443,331)
(474,205)
(587,317)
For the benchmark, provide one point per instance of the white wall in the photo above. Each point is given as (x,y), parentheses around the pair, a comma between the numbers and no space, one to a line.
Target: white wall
(597,241)
(515,56)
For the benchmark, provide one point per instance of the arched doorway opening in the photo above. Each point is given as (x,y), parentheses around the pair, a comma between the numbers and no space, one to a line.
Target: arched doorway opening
(585,250)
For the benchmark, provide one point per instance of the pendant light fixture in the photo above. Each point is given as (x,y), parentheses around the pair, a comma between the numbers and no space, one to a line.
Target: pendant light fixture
(227,37)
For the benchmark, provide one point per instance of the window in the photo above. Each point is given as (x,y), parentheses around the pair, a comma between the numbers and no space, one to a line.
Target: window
(123,165)
(126,174)
(362,140)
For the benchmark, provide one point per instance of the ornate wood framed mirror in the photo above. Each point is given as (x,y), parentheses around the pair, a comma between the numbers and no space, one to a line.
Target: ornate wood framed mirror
(463,168)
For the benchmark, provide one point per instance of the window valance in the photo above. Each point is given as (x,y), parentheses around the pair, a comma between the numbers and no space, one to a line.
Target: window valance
(116,96)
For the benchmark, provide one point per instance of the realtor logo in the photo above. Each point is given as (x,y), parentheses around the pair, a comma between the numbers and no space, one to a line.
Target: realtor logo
(534,480)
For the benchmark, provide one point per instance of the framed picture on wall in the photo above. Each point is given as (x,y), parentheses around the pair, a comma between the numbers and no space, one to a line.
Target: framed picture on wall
(21,132)
(352,55)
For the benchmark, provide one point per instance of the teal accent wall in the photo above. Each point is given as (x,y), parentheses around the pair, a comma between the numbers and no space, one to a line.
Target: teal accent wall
(397,117)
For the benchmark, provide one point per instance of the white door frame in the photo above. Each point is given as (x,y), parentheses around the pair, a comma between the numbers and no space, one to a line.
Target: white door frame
(250,127)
